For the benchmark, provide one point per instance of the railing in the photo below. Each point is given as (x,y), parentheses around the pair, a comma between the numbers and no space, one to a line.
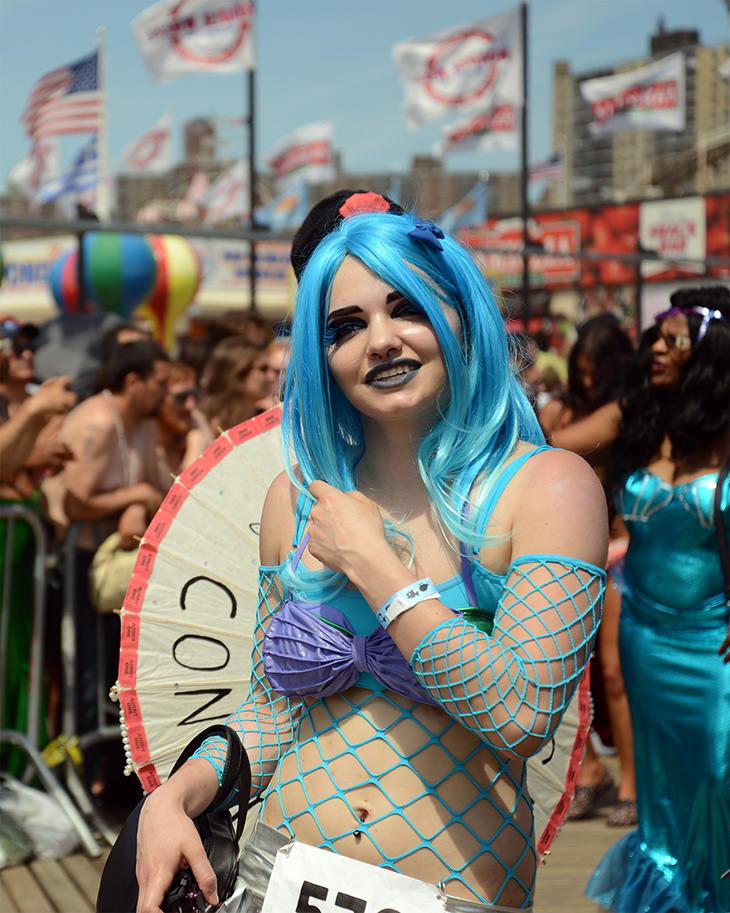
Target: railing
(28,740)
(107,720)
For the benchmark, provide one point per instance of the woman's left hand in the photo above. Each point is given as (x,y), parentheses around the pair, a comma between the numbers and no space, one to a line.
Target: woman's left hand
(346,530)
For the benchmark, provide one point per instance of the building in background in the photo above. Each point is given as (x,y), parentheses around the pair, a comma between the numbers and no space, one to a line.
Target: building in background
(635,165)
(429,187)
(156,197)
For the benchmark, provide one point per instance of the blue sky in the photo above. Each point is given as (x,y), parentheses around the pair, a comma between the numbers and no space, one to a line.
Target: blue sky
(322,60)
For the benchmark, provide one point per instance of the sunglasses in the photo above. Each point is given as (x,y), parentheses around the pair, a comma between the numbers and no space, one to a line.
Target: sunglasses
(182,397)
(16,346)
(676,340)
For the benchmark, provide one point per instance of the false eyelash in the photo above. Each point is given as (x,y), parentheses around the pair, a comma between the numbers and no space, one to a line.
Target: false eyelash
(330,336)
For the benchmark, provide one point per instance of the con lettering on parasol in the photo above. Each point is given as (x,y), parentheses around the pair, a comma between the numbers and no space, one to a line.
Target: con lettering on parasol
(188,616)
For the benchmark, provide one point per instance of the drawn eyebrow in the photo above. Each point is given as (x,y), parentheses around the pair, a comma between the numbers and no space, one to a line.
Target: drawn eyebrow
(354,309)
(343,312)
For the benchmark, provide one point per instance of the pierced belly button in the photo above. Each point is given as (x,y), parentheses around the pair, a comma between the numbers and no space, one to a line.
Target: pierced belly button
(362,815)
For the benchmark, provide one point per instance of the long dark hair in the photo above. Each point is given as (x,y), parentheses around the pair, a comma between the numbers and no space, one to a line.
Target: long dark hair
(698,411)
(605,342)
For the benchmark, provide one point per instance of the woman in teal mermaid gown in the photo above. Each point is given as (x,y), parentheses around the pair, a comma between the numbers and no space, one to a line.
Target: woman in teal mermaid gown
(674,620)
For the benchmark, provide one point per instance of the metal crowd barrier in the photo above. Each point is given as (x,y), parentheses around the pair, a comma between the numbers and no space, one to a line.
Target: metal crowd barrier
(107,715)
(29,740)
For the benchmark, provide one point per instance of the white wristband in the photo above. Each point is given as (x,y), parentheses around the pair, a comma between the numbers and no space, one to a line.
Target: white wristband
(405,599)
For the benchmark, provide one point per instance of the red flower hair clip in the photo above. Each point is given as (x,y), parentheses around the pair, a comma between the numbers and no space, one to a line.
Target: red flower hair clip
(364,202)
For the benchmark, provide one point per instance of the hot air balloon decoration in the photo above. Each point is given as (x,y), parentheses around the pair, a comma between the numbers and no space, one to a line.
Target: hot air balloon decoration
(178,279)
(119,273)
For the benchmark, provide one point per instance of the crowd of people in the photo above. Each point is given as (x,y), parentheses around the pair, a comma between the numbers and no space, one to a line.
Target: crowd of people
(468,542)
(99,462)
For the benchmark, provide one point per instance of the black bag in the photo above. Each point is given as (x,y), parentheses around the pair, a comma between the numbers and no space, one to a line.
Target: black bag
(118,890)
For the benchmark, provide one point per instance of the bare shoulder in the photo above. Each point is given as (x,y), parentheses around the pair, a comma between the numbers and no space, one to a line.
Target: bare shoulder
(559,507)
(88,423)
(278,520)
(92,410)
(557,463)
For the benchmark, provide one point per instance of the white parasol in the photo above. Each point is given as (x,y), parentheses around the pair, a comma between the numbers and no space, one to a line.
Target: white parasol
(188,617)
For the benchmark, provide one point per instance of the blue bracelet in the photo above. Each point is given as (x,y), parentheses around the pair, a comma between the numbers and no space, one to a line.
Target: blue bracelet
(405,599)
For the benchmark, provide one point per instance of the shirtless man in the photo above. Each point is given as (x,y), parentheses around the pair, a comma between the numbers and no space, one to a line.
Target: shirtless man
(112,484)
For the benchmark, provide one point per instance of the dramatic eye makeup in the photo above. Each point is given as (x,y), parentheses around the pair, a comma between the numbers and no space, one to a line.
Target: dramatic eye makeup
(407,308)
(341,324)
(345,322)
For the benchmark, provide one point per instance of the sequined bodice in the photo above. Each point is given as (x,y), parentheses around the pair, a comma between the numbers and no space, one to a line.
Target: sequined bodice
(673,557)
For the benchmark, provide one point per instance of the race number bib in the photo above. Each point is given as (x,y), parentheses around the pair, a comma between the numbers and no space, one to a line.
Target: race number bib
(309,880)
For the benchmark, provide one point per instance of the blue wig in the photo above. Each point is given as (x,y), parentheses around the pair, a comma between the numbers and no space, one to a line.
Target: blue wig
(487,411)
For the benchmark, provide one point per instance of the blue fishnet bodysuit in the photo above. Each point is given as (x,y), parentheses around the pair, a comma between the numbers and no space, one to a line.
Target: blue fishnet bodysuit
(449,786)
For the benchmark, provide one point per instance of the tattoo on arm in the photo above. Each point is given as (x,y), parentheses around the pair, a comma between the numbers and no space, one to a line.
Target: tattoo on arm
(91,438)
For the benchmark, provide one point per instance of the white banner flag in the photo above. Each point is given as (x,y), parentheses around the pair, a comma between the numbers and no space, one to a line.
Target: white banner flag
(229,196)
(36,168)
(304,154)
(462,71)
(150,153)
(176,37)
(497,129)
(650,98)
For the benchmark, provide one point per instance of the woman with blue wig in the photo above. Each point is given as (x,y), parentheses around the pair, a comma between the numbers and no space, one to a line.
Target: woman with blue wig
(431,583)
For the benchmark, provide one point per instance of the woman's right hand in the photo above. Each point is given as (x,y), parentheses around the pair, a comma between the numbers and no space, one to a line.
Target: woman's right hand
(168,841)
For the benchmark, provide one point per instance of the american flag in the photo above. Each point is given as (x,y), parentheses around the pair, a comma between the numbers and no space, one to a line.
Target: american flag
(552,169)
(66,100)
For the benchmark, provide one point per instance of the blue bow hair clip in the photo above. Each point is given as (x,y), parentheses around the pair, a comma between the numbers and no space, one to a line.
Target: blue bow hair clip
(427,233)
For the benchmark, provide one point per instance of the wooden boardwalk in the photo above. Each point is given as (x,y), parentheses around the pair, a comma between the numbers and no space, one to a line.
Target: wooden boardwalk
(562,879)
(48,886)
(70,885)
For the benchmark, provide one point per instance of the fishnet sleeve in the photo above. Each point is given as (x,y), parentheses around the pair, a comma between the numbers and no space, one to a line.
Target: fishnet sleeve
(512,687)
(266,720)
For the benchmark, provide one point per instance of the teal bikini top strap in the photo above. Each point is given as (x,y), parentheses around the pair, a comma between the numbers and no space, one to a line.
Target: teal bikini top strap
(502,481)
(304,506)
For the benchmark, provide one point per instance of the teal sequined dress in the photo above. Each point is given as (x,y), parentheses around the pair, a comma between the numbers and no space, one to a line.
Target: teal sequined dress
(673,621)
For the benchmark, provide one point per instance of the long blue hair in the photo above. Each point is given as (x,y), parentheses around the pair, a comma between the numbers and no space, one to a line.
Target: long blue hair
(480,422)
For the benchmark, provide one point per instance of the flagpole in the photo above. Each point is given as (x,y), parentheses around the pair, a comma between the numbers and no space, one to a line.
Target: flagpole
(252,181)
(525,211)
(103,194)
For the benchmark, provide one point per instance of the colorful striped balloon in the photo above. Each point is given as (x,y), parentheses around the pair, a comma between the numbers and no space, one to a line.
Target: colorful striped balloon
(64,281)
(119,271)
(178,278)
